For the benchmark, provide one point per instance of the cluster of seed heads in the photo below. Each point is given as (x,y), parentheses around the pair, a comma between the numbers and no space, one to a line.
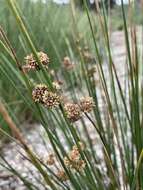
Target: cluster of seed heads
(50,99)
(32,64)
(74,161)
(74,111)
(42,95)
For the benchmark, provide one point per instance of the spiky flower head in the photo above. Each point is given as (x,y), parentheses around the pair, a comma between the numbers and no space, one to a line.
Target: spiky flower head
(87,104)
(73,111)
(51,99)
(38,92)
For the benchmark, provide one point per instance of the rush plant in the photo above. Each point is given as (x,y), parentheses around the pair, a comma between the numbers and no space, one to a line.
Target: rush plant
(98,114)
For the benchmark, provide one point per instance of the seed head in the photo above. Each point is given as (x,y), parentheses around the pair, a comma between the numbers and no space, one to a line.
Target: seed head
(88,56)
(51,99)
(79,165)
(87,104)
(44,59)
(91,71)
(38,91)
(67,63)
(73,111)
(51,160)
(67,162)
(31,63)
(74,160)
(32,66)
(81,145)
(56,85)
(74,155)
(62,175)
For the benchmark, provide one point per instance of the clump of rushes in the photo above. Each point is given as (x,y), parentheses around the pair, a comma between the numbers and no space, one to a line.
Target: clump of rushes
(74,160)
(109,163)
(87,104)
(72,111)
(31,63)
(41,94)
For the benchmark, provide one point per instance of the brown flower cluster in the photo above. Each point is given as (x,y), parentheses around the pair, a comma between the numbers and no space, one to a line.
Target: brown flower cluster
(41,94)
(74,111)
(74,160)
(31,63)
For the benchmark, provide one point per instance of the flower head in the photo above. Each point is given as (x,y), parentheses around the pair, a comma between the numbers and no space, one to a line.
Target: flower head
(67,63)
(81,145)
(67,162)
(51,99)
(44,59)
(62,175)
(56,85)
(79,166)
(37,93)
(74,155)
(87,104)
(31,63)
(73,111)
(74,160)
(50,160)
